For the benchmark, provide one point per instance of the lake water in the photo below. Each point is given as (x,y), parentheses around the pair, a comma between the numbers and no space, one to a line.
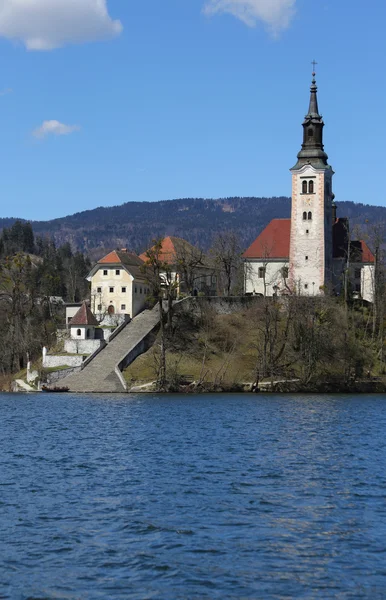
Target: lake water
(238,496)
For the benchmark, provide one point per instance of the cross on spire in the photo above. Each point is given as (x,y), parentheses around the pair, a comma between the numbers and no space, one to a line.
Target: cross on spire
(314,63)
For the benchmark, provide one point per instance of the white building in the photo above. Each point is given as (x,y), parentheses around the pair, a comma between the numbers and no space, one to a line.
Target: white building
(118,285)
(309,253)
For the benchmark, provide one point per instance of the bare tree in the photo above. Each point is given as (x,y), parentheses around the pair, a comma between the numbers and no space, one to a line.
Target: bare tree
(163,284)
(226,253)
(189,263)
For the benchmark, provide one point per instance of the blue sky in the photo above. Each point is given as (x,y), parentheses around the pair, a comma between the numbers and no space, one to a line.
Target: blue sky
(155,100)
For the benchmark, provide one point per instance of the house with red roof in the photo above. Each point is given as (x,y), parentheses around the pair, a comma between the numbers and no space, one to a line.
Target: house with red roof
(313,251)
(189,267)
(118,286)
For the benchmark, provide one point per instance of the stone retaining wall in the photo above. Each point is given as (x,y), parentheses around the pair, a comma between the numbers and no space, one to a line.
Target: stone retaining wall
(58,375)
(81,346)
(221,305)
(50,362)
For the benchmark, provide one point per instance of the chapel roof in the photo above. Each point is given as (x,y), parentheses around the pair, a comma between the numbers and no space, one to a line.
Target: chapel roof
(172,248)
(273,241)
(84,316)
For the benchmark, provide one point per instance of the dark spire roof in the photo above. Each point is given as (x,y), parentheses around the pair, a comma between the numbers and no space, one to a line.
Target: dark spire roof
(84,316)
(312,151)
(313,111)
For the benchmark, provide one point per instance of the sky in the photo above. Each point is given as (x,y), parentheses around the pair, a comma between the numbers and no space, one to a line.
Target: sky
(110,101)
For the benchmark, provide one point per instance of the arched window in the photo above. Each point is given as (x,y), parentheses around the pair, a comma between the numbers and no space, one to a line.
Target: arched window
(310,133)
(310,216)
(304,187)
(311,187)
(78,332)
(304,216)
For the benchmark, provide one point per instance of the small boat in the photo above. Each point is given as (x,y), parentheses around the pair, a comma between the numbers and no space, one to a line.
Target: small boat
(55,389)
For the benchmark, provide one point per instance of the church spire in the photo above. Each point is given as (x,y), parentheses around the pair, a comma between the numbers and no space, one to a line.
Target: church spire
(312,152)
(313,111)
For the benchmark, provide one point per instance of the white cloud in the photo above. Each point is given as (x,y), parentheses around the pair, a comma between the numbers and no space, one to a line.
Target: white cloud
(54,128)
(276,14)
(48,24)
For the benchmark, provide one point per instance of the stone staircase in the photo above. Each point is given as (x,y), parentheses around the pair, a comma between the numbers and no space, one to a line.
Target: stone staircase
(103,373)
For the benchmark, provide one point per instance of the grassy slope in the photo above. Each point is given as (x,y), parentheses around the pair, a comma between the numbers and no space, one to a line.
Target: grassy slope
(227,345)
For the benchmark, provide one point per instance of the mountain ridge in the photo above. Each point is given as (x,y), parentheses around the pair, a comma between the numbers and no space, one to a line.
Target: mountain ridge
(135,224)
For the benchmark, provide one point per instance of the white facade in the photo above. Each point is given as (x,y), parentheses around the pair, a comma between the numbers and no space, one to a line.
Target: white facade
(82,332)
(115,291)
(265,276)
(368,282)
(311,230)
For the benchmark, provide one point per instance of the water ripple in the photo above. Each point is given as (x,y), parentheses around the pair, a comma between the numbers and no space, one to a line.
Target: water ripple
(192,497)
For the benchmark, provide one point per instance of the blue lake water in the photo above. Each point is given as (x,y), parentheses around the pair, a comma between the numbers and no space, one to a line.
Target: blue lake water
(238,496)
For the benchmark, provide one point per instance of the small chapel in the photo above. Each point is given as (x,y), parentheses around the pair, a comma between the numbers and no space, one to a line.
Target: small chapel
(312,252)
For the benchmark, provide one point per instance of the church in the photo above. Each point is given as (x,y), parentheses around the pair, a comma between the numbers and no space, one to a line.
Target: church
(311,253)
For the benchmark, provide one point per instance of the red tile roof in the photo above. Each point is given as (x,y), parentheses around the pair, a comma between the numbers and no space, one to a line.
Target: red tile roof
(273,241)
(84,316)
(119,257)
(367,255)
(171,248)
(129,260)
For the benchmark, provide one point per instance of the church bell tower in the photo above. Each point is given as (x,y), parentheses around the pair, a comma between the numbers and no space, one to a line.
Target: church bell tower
(310,265)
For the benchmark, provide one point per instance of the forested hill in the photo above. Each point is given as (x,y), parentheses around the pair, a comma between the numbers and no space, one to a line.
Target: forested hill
(134,224)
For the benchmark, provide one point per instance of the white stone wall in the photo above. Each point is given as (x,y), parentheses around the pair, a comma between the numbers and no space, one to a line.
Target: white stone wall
(81,346)
(367,282)
(50,362)
(273,276)
(311,239)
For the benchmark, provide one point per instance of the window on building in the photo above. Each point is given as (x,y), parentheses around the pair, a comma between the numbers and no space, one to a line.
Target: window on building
(123,306)
(284,272)
(105,272)
(304,187)
(111,290)
(310,133)
(307,231)
(123,290)
(135,290)
(261,272)
(311,187)
(117,271)
(306,286)
(304,216)
(310,216)
(79,332)
(140,290)
(99,307)
(306,257)
(357,274)
(99,290)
